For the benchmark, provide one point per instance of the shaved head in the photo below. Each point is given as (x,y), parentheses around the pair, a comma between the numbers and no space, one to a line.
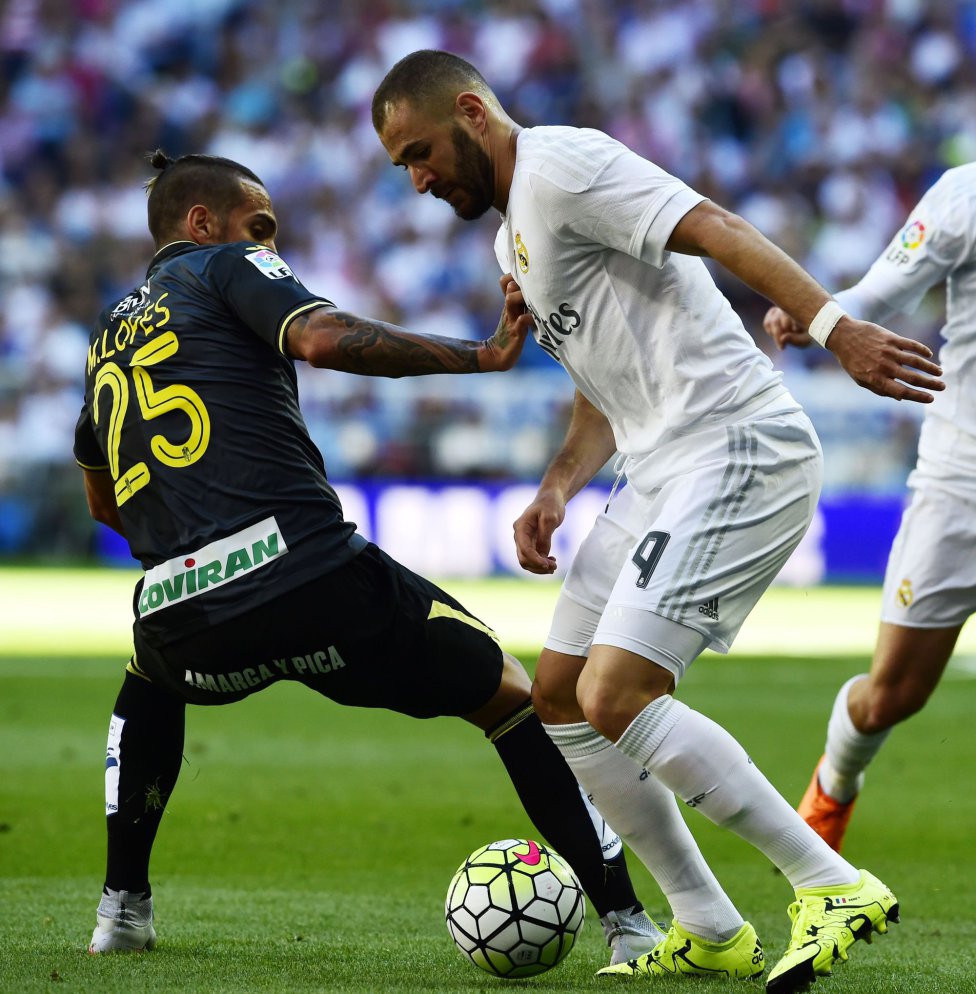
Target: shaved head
(431,80)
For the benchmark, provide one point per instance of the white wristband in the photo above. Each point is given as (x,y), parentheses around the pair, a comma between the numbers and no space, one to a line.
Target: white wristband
(825,321)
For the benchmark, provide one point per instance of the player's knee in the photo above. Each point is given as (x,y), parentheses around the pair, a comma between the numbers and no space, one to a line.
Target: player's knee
(512,693)
(543,705)
(515,684)
(554,690)
(605,708)
(552,706)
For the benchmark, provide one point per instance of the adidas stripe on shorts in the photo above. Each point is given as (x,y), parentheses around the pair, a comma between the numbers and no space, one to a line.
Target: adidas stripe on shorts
(671,570)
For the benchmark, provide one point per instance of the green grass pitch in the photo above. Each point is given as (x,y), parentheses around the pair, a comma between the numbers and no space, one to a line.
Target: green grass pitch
(308,847)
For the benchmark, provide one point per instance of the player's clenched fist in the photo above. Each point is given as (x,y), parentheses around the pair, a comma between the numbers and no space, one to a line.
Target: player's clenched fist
(784,330)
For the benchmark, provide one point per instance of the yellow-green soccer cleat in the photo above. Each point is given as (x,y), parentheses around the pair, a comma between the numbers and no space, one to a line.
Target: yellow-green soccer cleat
(827,921)
(741,957)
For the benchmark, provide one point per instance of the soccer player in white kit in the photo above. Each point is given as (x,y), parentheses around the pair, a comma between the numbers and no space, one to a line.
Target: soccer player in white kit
(930,583)
(723,472)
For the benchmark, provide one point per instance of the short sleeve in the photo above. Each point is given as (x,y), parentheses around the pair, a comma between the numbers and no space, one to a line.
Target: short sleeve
(260,289)
(935,240)
(87,452)
(630,205)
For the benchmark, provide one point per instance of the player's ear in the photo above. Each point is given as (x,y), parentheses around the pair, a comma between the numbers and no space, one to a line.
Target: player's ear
(472,108)
(201,225)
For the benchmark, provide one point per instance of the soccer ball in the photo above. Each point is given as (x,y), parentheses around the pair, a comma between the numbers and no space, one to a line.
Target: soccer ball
(514,908)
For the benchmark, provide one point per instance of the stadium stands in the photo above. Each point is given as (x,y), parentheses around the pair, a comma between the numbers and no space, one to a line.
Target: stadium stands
(819,121)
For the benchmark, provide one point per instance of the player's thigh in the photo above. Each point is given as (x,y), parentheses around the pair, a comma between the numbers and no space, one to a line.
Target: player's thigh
(710,542)
(428,655)
(370,634)
(587,586)
(222,664)
(930,579)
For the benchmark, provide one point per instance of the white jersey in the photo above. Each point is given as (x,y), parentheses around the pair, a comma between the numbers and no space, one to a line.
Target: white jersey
(937,243)
(644,333)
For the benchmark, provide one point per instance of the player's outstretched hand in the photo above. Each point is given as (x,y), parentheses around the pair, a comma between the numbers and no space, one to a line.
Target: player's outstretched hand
(533,533)
(885,363)
(502,350)
(784,330)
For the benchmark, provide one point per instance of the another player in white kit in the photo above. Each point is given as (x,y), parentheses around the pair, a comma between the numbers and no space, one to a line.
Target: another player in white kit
(930,582)
(723,472)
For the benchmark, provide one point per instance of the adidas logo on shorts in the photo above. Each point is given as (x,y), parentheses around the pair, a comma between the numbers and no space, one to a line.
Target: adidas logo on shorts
(710,609)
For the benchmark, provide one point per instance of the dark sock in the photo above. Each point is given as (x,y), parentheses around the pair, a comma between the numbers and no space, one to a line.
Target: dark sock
(551,797)
(149,754)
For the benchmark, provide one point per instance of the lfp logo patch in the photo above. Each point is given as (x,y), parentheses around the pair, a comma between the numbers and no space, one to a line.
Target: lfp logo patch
(268,264)
(913,235)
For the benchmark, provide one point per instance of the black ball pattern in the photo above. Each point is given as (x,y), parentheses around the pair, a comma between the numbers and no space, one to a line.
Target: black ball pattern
(514,908)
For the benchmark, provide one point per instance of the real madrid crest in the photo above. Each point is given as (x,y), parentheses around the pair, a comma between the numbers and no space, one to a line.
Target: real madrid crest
(521,253)
(905,593)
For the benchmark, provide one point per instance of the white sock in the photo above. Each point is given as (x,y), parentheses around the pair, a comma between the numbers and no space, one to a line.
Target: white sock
(710,771)
(848,751)
(644,813)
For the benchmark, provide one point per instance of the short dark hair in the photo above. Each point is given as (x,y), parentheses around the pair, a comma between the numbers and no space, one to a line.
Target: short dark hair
(210,180)
(427,78)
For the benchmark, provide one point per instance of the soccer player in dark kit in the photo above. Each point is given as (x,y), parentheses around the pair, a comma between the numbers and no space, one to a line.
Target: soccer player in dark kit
(193,447)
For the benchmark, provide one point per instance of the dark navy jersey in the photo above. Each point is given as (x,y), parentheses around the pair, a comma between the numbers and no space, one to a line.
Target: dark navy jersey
(191,403)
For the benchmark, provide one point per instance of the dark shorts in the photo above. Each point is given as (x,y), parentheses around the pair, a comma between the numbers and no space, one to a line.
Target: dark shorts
(370,634)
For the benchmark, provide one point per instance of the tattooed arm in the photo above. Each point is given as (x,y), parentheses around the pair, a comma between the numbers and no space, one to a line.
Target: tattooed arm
(354,344)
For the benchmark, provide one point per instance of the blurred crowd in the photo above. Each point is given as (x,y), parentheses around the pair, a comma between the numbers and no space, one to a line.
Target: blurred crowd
(821,121)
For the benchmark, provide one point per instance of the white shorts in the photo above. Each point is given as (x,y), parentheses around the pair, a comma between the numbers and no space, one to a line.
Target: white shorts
(676,570)
(930,581)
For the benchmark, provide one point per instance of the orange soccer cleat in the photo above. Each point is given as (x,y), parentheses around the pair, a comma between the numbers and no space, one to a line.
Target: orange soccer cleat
(827,817)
